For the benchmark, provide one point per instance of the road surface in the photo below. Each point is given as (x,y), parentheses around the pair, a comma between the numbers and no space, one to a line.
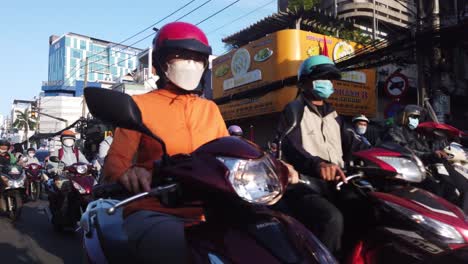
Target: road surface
(32,239)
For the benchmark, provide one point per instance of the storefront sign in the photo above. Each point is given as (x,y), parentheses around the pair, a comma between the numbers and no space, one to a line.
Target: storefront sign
(277,57)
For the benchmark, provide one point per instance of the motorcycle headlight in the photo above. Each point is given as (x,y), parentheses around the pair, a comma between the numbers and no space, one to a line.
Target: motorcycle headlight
(407,169)
(77,186)
(82,169)
(255,181)
(443,231)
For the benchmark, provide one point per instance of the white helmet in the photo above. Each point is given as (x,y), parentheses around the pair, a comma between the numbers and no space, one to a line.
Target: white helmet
(360,118)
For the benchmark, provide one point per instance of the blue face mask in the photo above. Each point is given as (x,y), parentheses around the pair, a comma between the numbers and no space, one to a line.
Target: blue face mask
(323,88)
(413,123)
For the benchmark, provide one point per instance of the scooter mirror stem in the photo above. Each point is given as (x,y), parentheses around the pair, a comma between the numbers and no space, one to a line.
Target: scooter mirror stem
(153,192)
(127,201)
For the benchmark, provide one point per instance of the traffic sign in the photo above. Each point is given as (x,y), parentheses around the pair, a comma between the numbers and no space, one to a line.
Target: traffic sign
(396,85)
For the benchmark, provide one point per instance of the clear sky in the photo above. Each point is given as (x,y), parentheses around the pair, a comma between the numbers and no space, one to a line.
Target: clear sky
(25,27)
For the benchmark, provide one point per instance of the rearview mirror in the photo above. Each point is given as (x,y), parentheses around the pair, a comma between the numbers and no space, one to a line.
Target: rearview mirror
(54,159)
(114,107)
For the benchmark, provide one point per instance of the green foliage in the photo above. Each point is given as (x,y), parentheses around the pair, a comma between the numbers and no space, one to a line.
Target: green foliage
(306,4)
(24,121)
(355,35)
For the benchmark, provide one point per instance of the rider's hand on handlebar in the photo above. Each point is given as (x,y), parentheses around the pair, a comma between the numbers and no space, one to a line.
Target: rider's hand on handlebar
(441,154)
(331,172)
(293,176)
(136,179)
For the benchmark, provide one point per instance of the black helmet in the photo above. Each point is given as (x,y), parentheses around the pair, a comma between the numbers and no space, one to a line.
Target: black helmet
(407,111)
(4,142)
(30,149)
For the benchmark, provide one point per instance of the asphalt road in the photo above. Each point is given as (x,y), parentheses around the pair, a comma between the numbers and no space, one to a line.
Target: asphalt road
(32,239)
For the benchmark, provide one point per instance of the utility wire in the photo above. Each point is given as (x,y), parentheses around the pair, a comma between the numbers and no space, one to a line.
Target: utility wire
(193,10)
(134,35)
(237,19)
(219,11)
(152,33)
(138,33)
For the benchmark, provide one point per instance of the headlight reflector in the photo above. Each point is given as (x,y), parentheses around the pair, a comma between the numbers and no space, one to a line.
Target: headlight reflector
(81,169)
(255,181)
(407,169)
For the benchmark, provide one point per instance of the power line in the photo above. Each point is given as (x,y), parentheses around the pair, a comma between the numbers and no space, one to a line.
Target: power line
(219,11)
(131,45)
(138,33)
(200,6)
(234,20)
(159,21)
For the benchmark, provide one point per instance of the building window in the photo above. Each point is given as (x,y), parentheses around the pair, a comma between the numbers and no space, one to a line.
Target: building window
(76,54)
(75,43)
(130,64)
(82,44)
(67,42)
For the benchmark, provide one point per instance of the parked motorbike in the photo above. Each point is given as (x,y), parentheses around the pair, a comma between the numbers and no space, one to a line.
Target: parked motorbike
(34,178)
(69,192)
(390,220)
(12,191)
(231,178)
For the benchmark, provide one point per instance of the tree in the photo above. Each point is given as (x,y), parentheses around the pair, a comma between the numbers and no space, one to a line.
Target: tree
(306,4)
(25,122)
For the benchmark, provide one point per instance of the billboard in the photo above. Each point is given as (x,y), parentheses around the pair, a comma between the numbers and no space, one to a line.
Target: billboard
(277,57)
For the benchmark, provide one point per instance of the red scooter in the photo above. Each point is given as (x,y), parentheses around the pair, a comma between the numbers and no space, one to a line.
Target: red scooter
(232,178)
(69,193)
(388,219)
(33,181)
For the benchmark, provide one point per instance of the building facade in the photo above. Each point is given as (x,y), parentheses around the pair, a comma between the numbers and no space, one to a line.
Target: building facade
(391,16)
(69,54)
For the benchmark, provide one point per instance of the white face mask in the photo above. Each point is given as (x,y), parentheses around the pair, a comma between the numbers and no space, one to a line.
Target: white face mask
(186,74)
(68,142)
(3,150)
(31,154)
(361,130)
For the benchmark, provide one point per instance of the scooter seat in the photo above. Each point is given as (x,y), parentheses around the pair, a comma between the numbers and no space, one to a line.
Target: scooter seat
(112,236)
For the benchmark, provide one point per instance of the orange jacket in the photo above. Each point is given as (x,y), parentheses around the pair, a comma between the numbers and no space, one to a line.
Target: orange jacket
(183,121)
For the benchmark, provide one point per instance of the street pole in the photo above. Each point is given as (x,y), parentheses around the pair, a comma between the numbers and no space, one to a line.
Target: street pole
(436,56)
(374,24)
(422,89)
(83,114)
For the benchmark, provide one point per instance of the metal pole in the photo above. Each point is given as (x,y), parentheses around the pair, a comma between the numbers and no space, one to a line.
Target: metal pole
(374,33)
(335,6)
(422,90)
(83,114)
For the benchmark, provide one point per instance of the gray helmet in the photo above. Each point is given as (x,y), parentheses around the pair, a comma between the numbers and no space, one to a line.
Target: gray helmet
(235,130)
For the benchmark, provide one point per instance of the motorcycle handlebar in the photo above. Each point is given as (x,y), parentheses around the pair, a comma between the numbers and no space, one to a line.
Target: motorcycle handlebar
(348,178)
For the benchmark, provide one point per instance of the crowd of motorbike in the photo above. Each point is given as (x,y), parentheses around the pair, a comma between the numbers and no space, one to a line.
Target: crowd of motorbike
(391,214)
(67,187)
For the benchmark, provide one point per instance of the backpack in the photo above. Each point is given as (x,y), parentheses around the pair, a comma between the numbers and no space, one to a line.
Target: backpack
(75,150)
